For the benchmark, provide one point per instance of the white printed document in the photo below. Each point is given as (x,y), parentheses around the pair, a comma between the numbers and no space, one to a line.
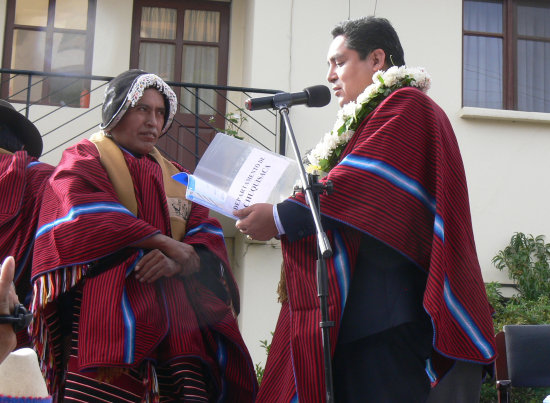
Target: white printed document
(233,174)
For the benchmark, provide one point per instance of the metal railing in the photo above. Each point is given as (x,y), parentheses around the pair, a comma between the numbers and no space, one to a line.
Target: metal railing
(67,107)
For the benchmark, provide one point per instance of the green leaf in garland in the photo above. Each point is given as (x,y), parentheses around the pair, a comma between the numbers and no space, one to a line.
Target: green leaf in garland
(325,165)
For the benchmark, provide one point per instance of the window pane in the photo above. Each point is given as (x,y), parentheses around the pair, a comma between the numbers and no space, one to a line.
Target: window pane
(533,76)
(158,58)
(534,19)
(158,23)
(482,86)
(483,16)
(200,66)
(31,12)
(27,54)
(69,52)
(68,56)
(201,26)
(71,14)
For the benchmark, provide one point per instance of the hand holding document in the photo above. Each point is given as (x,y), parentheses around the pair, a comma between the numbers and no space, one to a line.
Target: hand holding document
(233,174)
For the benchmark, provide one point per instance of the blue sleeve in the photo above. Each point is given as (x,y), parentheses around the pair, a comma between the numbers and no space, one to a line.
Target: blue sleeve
(297,222)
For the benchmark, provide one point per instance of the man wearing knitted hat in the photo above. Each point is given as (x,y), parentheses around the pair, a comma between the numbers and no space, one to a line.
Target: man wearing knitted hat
(22,180)
(140,274)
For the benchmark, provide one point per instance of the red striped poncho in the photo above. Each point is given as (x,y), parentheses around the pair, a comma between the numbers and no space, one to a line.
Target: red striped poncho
(401,180)
(22,180)
(123,321)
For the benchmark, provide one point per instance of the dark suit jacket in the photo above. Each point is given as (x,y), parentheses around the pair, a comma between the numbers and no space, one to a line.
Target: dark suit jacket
(387,288)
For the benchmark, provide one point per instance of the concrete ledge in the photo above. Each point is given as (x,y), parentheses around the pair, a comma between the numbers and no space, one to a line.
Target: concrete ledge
(501,114)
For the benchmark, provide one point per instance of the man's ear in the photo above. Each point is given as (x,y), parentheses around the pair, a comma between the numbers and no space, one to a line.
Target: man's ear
(378,59)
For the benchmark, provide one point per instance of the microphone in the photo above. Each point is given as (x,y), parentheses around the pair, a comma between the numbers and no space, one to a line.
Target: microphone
(316,96)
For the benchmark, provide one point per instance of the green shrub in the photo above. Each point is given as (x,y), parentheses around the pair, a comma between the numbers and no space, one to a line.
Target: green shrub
(526,259)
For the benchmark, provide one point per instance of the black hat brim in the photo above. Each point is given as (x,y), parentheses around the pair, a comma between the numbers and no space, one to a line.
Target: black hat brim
(23,128)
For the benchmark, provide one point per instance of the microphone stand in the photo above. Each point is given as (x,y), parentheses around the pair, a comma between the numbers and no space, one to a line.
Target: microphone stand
(312,191)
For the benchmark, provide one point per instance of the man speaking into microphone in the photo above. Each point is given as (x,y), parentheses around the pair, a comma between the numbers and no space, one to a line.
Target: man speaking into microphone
(405,286)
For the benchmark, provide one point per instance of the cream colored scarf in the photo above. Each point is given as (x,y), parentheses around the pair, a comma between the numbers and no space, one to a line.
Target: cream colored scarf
(112,159)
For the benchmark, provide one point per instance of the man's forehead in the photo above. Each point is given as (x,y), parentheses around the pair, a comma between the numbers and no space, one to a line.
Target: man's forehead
(337,48)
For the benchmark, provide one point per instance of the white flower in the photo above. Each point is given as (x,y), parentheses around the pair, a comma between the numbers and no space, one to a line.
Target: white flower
(371,91)
(349,109)
(391,76)
(347,135)
(363,97)
(376,76)
(339,122)
(422,78)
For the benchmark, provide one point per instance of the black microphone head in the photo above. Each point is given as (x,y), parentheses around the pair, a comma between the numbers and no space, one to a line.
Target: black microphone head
(318,96)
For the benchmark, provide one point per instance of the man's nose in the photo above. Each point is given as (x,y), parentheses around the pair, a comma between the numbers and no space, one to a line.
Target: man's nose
(331,74)
(152,119)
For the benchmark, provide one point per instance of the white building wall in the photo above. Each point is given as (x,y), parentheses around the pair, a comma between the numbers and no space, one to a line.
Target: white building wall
(112,37)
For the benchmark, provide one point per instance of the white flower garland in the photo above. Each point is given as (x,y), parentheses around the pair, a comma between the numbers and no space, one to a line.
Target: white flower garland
(326,153)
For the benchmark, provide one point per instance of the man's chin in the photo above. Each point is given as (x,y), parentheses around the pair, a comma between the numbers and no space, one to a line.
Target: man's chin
(342,102)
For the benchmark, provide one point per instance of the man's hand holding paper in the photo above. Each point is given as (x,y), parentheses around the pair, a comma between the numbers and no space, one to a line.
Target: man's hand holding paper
(257,221)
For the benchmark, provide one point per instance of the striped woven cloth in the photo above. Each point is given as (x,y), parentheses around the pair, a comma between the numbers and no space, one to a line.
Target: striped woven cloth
(401,180)
(22,180)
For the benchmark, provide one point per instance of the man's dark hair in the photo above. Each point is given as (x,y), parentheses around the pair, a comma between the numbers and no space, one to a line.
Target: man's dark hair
(370,33)
(8,140)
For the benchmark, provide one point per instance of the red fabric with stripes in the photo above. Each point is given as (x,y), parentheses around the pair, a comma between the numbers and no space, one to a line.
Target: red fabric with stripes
(412,134)
(162,310)
(21,187)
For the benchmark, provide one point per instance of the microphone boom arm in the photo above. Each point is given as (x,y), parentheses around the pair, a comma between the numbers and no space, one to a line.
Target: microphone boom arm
(323,243)
(324,252)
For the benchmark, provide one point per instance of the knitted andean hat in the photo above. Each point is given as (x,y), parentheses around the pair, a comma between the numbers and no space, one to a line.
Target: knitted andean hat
(21,379)
(126,89)
(21,127)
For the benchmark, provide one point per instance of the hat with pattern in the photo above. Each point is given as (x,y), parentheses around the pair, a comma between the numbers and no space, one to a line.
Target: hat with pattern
(126,89)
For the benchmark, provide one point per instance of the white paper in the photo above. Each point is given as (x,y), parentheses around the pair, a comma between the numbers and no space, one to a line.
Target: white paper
(256,179)
(207,195)
(233,175)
